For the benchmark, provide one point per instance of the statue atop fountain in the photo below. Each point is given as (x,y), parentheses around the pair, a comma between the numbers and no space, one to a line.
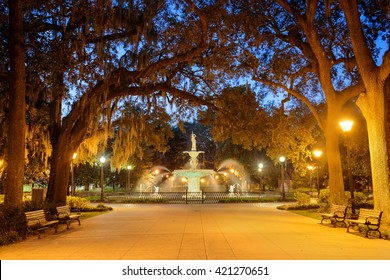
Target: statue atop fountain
(193,153)
(193,142)
(193,174)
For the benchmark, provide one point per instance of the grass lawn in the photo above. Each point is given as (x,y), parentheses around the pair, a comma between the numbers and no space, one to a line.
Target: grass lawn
(312,213)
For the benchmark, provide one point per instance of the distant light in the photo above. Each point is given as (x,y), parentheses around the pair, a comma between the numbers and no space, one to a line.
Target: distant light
(310,167)
(129,167)
(261,165)
(346,126)
(317,153)
(74,155)
(282,159)
(102,159)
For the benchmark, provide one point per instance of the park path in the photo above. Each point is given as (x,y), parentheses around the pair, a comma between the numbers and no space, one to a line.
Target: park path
(199,232)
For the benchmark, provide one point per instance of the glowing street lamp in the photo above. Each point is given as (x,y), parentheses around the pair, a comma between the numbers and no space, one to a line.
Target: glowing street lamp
(346,126)
(317,154)
(129,167)
(102,161)
(282,159)
(72,174)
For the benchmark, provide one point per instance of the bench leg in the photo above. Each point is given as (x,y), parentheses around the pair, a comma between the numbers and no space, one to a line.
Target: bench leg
(350,225)
(369,229)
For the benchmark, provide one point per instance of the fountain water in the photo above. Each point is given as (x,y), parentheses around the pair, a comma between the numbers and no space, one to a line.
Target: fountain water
(151,178)
(239,176)
(193,174)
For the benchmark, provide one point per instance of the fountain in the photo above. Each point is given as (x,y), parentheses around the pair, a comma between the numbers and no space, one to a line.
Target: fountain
(239,175)
(193,174)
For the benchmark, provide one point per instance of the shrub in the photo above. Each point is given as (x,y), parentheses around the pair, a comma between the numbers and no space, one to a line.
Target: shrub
(302,190)
(324,200)
(12,225)
(360,198)
(75,202)
(298,207)
(30,205)
(98,208)
(302,198)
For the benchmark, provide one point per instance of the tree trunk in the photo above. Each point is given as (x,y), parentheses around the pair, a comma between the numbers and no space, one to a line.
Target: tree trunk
(375,109)
(59,173)
(17,109)
(65,140)
(336,182)
(374,104)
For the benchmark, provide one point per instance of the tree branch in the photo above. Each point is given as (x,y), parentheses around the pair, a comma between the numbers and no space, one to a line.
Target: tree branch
(297,95)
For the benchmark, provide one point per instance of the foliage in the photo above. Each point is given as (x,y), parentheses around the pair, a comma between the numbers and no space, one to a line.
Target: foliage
(302,198)
(75,202)
(360,200)
(242,120)
(136,130)
(303,50)
(324,200)
(308,206)
(97,208)
(13,226)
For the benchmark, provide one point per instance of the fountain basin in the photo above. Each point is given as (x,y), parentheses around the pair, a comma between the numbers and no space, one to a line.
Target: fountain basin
(193,176)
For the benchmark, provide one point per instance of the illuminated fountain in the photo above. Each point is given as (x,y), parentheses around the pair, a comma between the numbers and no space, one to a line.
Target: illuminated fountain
(193,174)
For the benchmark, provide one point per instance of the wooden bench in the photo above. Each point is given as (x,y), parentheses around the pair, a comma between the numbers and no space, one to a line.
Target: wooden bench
(65,216)
(369,218)
(336,215)
(36,221)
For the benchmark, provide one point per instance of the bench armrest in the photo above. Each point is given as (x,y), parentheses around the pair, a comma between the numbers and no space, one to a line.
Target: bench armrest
(63,216)
(372,220)
(339,214)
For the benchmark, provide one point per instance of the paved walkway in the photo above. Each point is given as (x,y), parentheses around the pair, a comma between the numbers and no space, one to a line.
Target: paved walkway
(198,232)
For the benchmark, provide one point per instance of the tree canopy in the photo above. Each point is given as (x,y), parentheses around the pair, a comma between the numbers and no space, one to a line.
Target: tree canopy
(99,69)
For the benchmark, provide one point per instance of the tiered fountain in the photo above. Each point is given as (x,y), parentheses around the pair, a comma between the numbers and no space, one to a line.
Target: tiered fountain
(194,174)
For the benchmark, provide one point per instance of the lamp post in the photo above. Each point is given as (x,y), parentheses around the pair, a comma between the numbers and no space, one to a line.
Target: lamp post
(317,154)
(346,126)
(129,167)
(102,161)
(72,174)
(261,177)
(310,167)
(282,159)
